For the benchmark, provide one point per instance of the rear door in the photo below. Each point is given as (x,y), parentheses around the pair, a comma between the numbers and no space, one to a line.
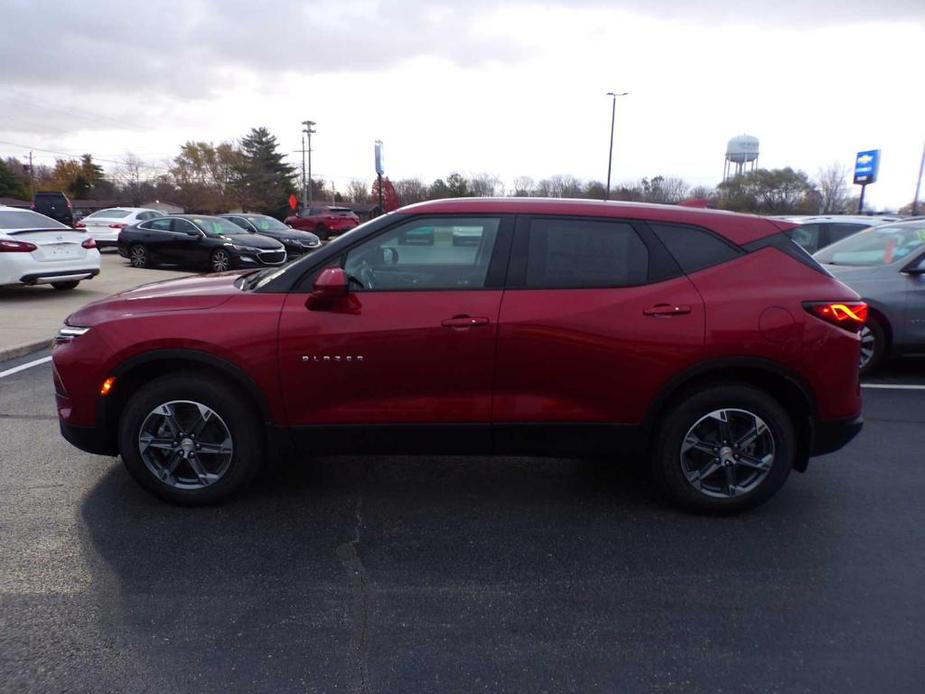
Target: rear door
(595,319)
(156,237)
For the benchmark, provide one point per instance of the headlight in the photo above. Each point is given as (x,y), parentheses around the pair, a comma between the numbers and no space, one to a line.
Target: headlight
(68,332)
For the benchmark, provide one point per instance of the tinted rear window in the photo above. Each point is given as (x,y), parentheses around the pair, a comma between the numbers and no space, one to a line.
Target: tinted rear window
(25,219)
(566,253)
(694,248)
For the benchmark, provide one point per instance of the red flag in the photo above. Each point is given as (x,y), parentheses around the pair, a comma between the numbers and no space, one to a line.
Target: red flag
(293,201)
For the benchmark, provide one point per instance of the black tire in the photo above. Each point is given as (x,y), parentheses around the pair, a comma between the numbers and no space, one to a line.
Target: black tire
(667,469)
(321,231)
(64,286)
(220,260)
(227,402)
(880,346)
(138,256)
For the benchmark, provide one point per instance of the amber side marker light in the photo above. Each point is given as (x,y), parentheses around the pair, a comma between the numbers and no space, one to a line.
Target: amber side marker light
(107,385)
(850,315)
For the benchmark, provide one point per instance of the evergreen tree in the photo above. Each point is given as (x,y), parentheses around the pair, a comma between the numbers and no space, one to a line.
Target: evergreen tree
(10,185)
(265,180)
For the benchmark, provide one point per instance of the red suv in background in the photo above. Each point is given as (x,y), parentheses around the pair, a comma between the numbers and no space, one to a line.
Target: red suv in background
(325,222)
(706,343)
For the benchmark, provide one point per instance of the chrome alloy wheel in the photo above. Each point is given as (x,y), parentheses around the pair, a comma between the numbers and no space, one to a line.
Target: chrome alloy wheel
(221,261)
(185,444)
(727,453)
(138,256)
(868,345)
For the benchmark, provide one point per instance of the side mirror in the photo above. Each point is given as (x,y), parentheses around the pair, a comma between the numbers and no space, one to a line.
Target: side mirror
(330,286)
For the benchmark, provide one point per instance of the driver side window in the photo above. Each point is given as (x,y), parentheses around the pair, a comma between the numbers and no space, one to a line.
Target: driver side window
(425,254)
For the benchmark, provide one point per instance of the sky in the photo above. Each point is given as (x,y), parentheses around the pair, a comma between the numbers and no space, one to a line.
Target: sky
(508,88)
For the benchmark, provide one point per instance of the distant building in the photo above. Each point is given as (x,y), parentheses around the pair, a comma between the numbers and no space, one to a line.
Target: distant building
(164,206)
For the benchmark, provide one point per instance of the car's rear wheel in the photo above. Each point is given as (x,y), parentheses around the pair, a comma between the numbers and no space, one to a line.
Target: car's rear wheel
(64,286)
(321,231)
(220,260)
(189,439)
(724,448)
(138,256)
(873,346)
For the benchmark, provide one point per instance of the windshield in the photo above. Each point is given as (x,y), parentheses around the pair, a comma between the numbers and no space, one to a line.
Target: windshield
(267,223)
(216,226)
(877,246)
(26,219)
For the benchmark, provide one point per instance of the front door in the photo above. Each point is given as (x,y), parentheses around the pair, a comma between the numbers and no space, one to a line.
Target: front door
(411,348)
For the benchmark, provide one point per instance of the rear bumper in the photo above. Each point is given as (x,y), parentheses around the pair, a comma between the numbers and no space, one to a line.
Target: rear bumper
(832,435)
(89,439)
(59,276)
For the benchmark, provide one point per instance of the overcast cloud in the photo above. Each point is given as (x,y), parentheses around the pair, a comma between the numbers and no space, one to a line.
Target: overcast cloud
(513,88)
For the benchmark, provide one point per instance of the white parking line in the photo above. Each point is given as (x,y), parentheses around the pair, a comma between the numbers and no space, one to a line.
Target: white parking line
(23,367)
(881,386)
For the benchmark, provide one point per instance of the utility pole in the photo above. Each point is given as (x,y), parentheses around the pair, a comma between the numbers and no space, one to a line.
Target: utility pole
(303,168)
(918,185)
(308,133)
(613,115)
(32,177)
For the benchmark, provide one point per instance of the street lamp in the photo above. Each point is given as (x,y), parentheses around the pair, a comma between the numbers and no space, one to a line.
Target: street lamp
(307,186)
(613,113)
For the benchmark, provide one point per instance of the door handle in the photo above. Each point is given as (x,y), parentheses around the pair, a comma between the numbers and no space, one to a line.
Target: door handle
(463,322)
(667,310)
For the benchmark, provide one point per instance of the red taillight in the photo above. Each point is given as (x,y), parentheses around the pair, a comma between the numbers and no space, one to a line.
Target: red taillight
(88,243)
(80,225)
(117,226)
(17,247)
(850,315)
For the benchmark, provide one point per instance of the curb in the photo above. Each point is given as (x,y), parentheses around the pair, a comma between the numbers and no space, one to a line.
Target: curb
(19,350)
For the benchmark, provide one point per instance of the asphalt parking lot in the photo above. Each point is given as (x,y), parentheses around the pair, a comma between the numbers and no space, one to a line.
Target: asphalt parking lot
(396,574)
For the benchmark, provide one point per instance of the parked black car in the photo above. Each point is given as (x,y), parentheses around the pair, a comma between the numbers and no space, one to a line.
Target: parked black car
(297,242)
(54,204)
(200,241)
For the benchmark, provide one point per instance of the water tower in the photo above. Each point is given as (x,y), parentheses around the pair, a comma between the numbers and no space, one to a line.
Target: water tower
(741,151)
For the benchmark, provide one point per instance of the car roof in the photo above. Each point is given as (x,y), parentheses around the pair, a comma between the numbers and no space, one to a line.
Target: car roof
(130,209)
(870,220)
(737,227)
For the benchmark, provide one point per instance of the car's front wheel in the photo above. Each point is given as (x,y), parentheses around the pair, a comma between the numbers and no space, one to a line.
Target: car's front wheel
(724,448)
(190,439)
(220,260)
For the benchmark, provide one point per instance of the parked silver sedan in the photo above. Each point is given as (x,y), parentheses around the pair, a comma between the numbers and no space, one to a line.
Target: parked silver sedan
(886,266)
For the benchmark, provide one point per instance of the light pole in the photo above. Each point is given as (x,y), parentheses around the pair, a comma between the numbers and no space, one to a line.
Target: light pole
(915,200)
(613,115)
(307,193)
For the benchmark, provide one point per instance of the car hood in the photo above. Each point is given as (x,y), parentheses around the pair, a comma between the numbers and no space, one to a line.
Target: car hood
(263,243)
(194,293)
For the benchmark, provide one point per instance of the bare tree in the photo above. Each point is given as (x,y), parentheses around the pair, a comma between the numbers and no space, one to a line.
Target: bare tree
(485,185)
(524,187)
(358,191)
(832,184)
(128,174)
(410,190)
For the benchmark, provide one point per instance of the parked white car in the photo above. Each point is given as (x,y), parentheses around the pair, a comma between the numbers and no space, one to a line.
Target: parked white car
(104,225)
(35,249)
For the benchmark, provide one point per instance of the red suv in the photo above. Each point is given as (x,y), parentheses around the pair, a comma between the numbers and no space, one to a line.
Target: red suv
(324,222)
(704,342)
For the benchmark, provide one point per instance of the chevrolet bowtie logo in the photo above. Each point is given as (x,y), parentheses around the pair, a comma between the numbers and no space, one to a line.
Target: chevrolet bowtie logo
(865,159)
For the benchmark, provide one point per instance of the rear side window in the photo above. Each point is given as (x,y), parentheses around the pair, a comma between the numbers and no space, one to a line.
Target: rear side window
(162,224)
(568,253)
(694,248)
(842,230)
(807,236)
(109,214)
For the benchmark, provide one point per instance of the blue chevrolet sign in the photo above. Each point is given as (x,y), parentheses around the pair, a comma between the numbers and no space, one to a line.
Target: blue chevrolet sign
(866,165)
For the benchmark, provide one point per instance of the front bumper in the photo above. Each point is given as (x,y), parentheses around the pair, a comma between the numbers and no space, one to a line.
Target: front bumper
(832,435)
(89,439)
